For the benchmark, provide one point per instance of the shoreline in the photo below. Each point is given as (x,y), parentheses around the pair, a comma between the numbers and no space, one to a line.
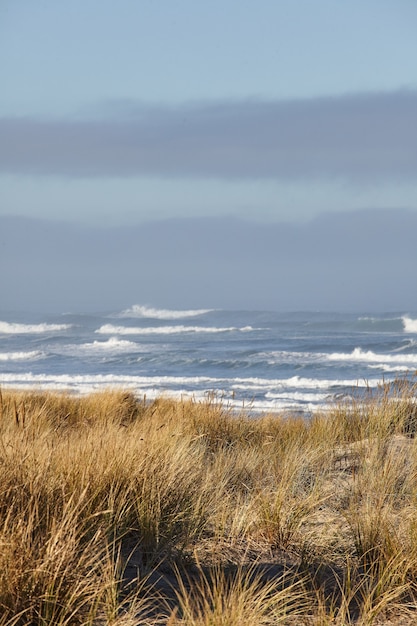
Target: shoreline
(260,361)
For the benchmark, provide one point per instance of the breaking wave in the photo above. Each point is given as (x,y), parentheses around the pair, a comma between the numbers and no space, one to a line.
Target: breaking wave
(265,360)
(110,329)
(113,345)
(295,382)
(299,396)
(371,357)
(410,325)
(391,369)
(250,383)
(138,310)
(21,356)
(13,328)
(266,394)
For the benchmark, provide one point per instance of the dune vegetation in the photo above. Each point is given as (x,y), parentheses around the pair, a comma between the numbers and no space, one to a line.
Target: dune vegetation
(119,511)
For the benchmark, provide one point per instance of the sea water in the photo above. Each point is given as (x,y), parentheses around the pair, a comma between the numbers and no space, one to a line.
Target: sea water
(259,360)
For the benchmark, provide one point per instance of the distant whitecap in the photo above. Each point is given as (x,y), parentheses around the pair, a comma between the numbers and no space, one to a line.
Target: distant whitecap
(21,356)
(111,346)
(371,357)
(13,328)
(410,325)
(138,310)
(110,329)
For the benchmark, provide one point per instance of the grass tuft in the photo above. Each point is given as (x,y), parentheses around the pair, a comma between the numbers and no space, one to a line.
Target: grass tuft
(118,511)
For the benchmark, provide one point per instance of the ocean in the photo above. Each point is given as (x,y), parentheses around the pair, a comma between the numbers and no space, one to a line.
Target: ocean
(256,360)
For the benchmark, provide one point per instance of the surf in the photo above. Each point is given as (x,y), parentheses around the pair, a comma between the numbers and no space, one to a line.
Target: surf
(143,311)
(14,328)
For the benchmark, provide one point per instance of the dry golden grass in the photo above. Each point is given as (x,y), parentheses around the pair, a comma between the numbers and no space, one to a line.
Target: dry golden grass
(121,512)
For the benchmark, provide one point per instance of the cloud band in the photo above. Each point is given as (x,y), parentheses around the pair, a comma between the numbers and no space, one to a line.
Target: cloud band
(356,138)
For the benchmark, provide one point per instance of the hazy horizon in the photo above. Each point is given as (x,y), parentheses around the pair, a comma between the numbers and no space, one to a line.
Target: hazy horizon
(361,261)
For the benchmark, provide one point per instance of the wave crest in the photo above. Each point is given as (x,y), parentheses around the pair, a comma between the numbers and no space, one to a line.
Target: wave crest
(371,357)
(111,346)
(110,329)
(21,356)
(13,328)
(139,310)
(410,325)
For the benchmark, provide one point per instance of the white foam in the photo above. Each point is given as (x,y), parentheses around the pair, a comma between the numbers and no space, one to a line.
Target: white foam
(21,356)
(275,357)
(151,386)
(181,381)
(138,310)
(371,357)
(410,325)
(12,328)
(103,379)
(298,396)
(110,329)
(283,405)
(280,394)
(391,368)
(113,345)
(293,382)
(377,320)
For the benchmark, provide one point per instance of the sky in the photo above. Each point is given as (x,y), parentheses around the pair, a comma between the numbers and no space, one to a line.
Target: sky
(276,113)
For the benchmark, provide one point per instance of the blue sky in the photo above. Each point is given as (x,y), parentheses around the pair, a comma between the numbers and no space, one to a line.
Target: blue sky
(239,154)
(117,113)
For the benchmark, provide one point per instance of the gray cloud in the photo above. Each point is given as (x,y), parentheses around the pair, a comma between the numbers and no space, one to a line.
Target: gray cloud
(363,260)
(357,137)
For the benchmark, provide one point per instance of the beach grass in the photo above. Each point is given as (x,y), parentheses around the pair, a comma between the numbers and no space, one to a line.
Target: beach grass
(115,510)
